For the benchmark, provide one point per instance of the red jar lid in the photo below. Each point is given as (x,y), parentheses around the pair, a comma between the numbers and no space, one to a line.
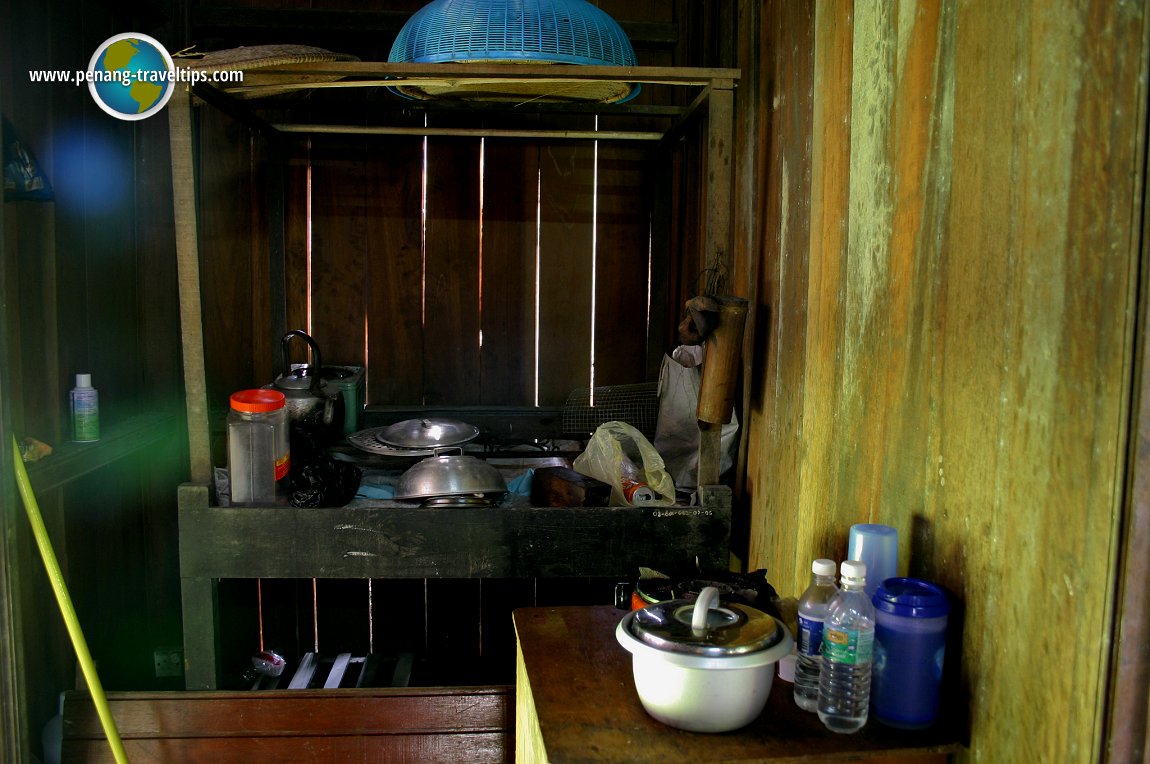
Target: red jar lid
(258,401)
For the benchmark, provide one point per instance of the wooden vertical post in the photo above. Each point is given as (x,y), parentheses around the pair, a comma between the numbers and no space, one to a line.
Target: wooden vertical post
(717,246)
(188,275)
(720,146)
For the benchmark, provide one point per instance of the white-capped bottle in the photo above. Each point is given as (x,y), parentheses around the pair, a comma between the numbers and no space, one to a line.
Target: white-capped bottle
(848,652)
(813,605)
(85,405)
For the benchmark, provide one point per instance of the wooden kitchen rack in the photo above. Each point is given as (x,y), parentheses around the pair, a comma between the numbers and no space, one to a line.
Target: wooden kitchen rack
(388,542)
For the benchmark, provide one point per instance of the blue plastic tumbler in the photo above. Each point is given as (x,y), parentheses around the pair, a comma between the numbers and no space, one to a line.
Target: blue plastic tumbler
(877,546)
(909,650)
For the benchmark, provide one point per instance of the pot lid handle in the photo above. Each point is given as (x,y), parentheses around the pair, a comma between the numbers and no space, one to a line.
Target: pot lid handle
(708,597)
(285,346)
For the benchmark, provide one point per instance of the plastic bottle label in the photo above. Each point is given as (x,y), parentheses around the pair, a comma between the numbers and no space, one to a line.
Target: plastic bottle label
(283,464)
(85,416)
(810,636)
(848,646)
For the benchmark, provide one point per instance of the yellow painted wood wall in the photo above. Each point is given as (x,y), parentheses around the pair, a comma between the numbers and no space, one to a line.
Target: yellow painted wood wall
(944,267)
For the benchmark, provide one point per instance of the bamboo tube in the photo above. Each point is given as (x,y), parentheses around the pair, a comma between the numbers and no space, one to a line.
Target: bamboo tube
(723,348)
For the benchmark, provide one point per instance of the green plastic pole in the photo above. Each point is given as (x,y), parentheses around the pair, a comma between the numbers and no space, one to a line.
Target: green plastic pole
(66,609)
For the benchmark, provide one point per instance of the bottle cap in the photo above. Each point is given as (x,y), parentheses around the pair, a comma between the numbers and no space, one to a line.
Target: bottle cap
(83,380)
(823,567)
(853,569)
(259,401)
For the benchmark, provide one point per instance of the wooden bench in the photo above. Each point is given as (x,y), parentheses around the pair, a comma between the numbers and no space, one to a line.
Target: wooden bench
(472,724)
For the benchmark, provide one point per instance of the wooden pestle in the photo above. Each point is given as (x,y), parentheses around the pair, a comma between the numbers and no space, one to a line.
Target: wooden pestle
(722,349)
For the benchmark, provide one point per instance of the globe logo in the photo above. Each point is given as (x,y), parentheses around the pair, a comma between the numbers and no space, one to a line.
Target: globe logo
(131,76)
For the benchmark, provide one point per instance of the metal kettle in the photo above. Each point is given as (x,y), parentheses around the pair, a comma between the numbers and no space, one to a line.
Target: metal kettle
(310,401)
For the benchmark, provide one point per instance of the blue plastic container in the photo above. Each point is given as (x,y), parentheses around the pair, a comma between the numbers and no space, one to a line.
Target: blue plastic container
(543,31)
(910,650)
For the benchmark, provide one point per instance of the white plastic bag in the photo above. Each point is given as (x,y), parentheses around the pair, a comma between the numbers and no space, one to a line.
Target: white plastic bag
(677,429)
(620,456)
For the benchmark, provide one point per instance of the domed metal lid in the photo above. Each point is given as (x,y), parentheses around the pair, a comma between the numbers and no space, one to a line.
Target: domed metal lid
(427,433)
(705,627)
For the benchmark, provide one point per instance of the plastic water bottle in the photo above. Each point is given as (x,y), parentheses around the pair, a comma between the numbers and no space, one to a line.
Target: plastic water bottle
(812,612)
(848,651)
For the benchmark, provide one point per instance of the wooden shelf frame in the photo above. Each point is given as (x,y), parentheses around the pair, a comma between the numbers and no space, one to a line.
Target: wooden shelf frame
(715,87)
(218,543)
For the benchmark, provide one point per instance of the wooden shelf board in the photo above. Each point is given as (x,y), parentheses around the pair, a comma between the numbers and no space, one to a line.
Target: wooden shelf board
(70,460)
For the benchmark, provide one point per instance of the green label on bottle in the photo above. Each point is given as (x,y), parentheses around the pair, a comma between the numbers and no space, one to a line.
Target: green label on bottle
(85,416)
(849,646)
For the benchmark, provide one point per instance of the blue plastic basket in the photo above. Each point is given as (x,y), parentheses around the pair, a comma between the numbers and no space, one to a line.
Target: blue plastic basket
(540,31)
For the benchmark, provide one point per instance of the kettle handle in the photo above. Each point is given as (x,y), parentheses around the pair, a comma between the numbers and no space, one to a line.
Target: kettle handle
(315,357)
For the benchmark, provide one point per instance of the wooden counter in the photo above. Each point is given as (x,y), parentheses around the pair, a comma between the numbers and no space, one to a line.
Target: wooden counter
(576,702)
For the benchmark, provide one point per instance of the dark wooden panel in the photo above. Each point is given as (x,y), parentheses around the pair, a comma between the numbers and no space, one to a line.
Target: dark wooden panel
(565,267)
(455,624)
(340,208)
(159,376)
(398,606)
(395,271)
(622,282)
(510,196)
(226,244)
(451,272)
(297,239)
(342,616)
(401,542)
(499,599)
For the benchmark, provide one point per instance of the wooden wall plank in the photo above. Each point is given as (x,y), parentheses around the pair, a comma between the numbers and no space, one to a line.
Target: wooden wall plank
(395,272)
(340,208)
(783,316)
(443,725)
(510,236)
(226,247)
(623,257)
(297,241)
(565,263)
(451,273)
(963,367)
(446,747)
(284,713)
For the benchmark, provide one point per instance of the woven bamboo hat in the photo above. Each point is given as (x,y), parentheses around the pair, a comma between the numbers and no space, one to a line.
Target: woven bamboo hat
(265,65)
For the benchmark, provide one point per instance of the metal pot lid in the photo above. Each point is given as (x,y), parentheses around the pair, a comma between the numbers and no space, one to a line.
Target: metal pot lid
(705,627)
(427,433)
(299,378)
(440,476)
(368,440)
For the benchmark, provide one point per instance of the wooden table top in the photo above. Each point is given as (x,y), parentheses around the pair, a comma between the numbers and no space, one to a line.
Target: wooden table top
(588,710)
